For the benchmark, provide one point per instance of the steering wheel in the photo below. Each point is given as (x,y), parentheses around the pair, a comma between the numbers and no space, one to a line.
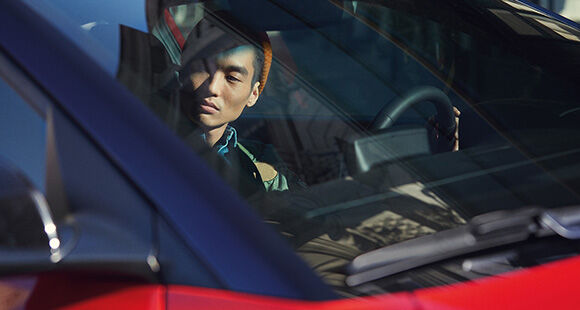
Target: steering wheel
(445,117)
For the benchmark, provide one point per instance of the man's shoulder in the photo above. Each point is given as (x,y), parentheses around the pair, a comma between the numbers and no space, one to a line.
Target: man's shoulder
(260,152)
(271,167)
(263,156)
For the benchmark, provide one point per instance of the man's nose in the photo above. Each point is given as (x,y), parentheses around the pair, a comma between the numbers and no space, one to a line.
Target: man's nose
(215,84)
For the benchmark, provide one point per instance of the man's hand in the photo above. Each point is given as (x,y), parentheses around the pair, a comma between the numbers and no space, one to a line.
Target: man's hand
(440,142)
(456,134)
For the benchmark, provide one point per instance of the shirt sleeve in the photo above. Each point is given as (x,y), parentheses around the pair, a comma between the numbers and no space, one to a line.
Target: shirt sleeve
(278,183)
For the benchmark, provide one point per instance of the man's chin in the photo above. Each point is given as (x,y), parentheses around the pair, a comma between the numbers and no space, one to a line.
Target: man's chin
(208,122)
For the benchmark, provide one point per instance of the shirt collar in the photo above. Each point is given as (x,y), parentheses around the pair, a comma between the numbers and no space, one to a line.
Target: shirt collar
(227,142)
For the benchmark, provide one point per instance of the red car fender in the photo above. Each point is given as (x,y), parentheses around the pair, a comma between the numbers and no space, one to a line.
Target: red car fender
(74,291)
(550,286)
(184,297)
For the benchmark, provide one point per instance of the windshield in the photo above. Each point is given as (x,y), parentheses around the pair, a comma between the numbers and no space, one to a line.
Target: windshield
(354,125)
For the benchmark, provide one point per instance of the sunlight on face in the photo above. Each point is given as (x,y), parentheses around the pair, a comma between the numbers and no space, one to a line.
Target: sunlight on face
(223,87)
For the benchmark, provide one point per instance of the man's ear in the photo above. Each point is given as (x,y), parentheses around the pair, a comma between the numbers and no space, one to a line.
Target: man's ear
(254,95)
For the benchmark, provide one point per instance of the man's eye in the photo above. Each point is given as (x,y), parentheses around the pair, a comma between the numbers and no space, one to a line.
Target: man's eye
(232,78)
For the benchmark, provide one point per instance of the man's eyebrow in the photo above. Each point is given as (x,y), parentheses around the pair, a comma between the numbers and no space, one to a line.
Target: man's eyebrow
(234,68)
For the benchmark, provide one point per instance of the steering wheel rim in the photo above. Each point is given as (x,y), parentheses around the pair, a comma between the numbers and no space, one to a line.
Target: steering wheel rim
(445,117)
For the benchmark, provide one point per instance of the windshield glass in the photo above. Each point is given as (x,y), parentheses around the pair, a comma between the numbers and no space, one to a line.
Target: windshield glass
(354,125)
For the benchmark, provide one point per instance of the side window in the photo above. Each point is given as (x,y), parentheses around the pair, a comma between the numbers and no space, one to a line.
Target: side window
(22,135)
(22,145)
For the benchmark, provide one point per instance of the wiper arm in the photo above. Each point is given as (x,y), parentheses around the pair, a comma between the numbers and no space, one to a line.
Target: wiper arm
(483,232)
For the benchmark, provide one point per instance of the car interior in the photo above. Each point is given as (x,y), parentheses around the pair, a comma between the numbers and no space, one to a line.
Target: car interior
(359,108)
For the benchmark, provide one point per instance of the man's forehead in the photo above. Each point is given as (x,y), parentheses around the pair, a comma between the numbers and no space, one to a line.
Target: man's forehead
(238,50)
(211,41)
(238,59)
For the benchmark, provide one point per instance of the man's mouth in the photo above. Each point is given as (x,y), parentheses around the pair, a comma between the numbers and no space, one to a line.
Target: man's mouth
(208,107)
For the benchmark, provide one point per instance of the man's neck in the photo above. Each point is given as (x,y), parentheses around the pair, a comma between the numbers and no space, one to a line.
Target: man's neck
(212,135)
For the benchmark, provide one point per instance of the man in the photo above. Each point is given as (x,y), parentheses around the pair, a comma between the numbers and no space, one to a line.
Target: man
(222,74)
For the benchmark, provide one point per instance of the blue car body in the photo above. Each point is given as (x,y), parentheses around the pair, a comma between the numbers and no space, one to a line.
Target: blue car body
(104,136)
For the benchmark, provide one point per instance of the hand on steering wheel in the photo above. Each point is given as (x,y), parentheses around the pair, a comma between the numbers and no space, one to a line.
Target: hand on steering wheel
(446,120)
(435,133)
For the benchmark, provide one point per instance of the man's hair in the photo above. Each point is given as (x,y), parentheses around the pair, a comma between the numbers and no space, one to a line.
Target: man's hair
(258,64)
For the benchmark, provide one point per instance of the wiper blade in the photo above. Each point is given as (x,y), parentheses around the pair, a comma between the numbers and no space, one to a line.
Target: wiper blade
(483,232)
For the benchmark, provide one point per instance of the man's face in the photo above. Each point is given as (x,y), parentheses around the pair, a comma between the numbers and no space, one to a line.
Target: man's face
(222,86)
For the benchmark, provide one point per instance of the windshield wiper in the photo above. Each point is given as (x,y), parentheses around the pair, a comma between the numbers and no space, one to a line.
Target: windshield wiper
(483,232)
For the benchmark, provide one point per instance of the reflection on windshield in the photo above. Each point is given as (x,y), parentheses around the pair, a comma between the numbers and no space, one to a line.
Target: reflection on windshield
(303,150)
(296,137)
